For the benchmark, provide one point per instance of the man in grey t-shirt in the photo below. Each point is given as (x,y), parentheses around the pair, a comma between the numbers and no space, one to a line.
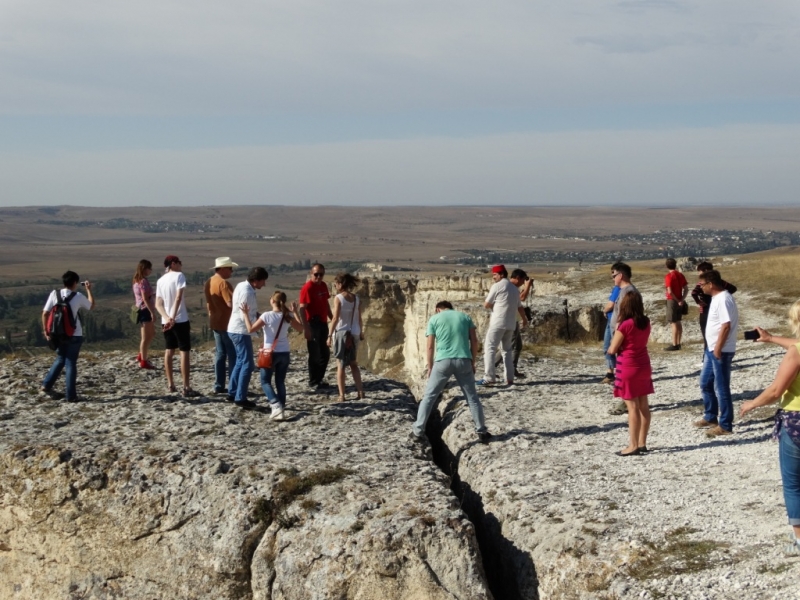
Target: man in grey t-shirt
(621,274)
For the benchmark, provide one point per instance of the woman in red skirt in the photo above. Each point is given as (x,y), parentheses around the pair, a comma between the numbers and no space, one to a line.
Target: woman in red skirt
(634,377)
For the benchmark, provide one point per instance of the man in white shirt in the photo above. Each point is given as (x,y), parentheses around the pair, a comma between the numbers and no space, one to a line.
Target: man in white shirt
(715,378)
(68,349)
(171,305)
(504,302)
(244,295)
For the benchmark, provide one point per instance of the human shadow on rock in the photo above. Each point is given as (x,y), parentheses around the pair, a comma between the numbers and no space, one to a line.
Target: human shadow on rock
(726,441)
(692,375)
(588,430)
(362,409)
(576,380)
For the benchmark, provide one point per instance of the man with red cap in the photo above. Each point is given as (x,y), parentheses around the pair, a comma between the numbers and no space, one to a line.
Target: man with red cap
(171,304)
(504,302)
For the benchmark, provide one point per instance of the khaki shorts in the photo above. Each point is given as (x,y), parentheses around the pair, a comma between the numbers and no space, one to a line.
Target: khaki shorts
(673,312)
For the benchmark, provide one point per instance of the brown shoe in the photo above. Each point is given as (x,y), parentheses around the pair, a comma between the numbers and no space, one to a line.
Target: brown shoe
(712,433)
(608,378)
(703,424)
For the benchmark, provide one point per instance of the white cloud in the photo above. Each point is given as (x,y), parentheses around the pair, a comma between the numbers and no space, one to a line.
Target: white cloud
(251,56)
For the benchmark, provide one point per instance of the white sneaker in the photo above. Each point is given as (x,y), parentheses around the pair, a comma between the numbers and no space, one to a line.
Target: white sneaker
(277,413)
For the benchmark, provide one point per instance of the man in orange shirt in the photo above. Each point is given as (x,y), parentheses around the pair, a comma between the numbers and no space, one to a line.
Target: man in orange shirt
(219,294)
(677,287)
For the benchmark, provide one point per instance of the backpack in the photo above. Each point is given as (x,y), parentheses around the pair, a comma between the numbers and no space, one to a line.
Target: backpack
(60,321)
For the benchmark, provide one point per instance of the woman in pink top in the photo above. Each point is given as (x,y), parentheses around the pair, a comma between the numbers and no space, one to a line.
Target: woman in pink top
(144,297)
(634,377)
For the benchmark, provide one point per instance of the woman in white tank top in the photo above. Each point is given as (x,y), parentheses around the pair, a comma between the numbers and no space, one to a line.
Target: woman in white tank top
(346,329)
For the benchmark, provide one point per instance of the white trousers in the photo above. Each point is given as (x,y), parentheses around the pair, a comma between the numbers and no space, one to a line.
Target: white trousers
(498,336)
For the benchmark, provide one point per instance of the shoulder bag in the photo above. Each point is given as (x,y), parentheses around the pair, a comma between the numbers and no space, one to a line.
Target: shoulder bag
(264,355)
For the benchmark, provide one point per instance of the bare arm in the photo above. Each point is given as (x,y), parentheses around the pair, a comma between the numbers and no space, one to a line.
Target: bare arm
(160,308)
(259,324)
(431,351)
(473,346)
(787,373)
(176,305)
(89,294)
(296,323)
(609,307)
(360,323)
(684,291)
(526,289)
(337,308)
(616,342)
(521,311)
(489,305)
(783,342)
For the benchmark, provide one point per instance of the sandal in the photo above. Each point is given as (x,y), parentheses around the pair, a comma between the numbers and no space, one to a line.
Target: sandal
(190,393)
(361,395)
(342,399)
(172,389)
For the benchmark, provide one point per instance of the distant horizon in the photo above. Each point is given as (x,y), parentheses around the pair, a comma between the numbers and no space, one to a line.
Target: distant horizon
(379,206)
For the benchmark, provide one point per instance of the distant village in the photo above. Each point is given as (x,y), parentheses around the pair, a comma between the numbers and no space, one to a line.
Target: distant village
(636,246)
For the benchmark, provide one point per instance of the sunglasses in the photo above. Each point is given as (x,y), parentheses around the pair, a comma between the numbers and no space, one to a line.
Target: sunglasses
(318,274)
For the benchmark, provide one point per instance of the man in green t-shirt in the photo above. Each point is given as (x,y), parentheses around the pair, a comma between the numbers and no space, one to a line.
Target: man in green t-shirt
(451,350)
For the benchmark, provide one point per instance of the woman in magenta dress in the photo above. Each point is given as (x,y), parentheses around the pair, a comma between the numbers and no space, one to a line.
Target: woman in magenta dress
(634,377)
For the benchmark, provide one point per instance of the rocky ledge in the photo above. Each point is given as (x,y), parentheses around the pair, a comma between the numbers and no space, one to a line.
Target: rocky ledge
(135,493)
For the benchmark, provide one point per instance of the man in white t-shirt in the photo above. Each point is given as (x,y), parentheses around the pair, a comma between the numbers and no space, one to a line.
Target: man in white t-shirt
(504,302)
(244,294)
(171,304)
(715,378)
(68,349)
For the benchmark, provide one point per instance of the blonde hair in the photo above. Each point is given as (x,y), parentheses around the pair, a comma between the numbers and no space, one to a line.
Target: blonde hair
(794,317)
(279,298)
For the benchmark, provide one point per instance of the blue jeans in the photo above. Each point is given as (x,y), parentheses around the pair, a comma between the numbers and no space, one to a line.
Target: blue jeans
(440,375)
(789,455)
(280,366)
(611,359)
(225,353)
(244,367)
(715,386)
(66,355)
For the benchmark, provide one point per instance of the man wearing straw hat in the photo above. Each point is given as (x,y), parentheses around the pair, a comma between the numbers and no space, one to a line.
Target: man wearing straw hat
(219,296)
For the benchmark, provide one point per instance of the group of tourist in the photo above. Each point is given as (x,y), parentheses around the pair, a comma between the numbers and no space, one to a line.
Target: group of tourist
(233,319)
(629,367)
(452,346)
(628,361)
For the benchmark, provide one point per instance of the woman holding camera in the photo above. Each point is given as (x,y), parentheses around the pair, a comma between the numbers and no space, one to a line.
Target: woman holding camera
(786,388)
(346,327)
(633,374)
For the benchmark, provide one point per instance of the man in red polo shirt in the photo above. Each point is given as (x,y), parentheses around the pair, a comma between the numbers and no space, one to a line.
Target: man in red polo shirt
(677,287)
(314,314)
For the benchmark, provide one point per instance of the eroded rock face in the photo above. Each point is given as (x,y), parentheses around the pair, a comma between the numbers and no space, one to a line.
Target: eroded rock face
(396,314)
(136,493)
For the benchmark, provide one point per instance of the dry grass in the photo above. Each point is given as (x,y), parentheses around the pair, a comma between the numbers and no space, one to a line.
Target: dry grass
(774,271)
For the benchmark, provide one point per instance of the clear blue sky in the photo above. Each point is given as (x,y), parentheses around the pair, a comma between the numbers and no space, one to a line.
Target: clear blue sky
(399,102)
